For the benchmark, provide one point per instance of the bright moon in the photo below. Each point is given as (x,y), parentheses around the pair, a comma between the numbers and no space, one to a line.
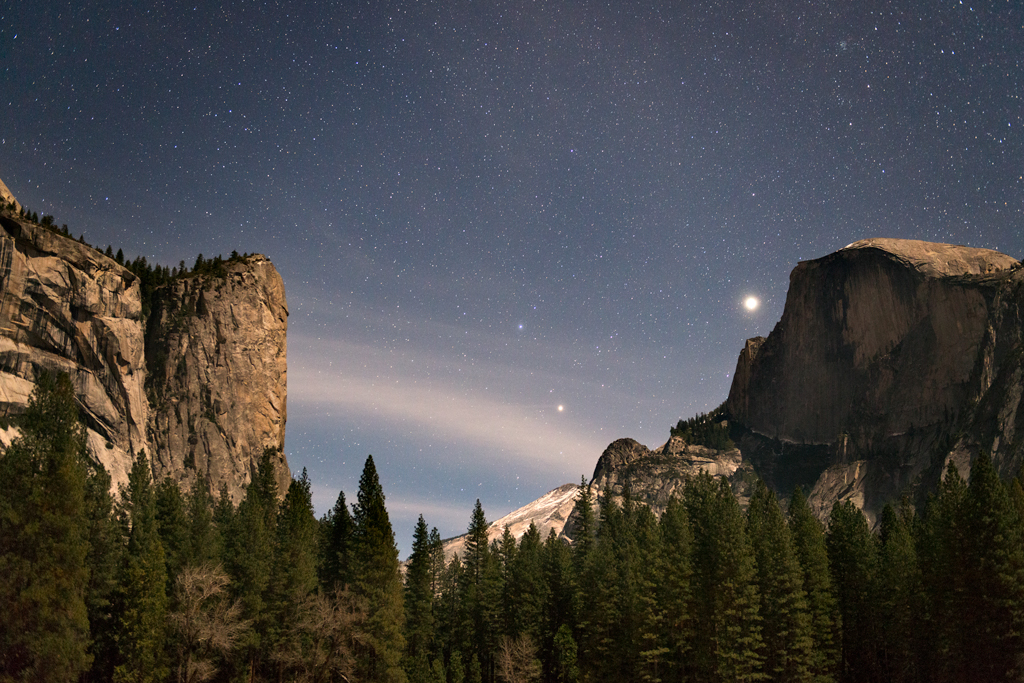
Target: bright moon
(751,303)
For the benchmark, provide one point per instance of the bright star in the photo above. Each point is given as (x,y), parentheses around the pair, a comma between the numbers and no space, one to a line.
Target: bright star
(561,408)
(751,303)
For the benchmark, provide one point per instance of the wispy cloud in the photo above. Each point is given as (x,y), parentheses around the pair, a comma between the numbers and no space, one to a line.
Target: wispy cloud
(455,404)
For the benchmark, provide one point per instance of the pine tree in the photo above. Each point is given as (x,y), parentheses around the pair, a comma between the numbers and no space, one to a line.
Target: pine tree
(995,579)
(202,534)
(900,598)
(584,526)
(449,610)
(674,589)
(419,596)
(809,547)
(336,546)
(560,590)
(249,549)
(853,563)
(377,580)
(106,552)
(599,617)
(942,544)
(786,624)
(223,518)
(44,541)
(728,643)
(651,647)
(295,561)
(566,669)
(527,590)
(481,596)
(172,525)
(142,600)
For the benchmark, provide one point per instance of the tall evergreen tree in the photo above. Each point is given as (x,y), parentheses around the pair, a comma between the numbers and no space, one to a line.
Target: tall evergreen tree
(943,541)
(336,546)
(419,601)
(995,580)
(481,597)
(809,546)
(560,591)
(853,561)
(584,527)
(527,588)
(599,617)
(202,535)
(44,541)
(249,549)
(106,551)
(507,551)
(295,561)
(786,624)
(674,590)
(651,647)
(142,600)
(449,612)
(377,580)
(900,598)
(728,643)
(172,525)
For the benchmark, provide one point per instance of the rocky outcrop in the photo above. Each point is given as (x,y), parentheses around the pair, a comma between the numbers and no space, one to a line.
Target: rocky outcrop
(653,477)
(891,357)
(216,348)
(64,307)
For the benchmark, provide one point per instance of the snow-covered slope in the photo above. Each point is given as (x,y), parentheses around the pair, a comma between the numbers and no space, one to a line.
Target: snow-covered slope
(548,512)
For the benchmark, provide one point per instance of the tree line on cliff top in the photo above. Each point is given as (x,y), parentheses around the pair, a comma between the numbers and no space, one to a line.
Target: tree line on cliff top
(151,275)
(165,585)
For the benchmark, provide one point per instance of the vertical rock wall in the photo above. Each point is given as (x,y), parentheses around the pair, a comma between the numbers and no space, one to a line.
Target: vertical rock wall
(891,357)
(64,307)
(216,348)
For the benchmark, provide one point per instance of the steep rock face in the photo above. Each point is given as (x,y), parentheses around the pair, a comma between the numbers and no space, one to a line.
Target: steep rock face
(216,348)
(891,356)
(66,308)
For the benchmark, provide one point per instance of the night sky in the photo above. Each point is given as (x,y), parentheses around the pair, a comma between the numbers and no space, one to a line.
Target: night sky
(485,210)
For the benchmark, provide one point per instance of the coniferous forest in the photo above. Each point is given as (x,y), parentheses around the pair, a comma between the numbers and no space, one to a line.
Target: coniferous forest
(161,584)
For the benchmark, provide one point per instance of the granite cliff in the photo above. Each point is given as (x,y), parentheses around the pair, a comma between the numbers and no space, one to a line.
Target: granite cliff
(892,357)
(202,389)
(216,350)
(64,307)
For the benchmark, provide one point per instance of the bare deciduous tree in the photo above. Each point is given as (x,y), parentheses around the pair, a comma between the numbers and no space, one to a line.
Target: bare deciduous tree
(207,622)
(321,644)
(517,660)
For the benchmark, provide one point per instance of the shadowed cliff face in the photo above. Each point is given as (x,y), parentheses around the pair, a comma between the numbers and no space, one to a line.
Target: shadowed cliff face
(883,353)
(216,348)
